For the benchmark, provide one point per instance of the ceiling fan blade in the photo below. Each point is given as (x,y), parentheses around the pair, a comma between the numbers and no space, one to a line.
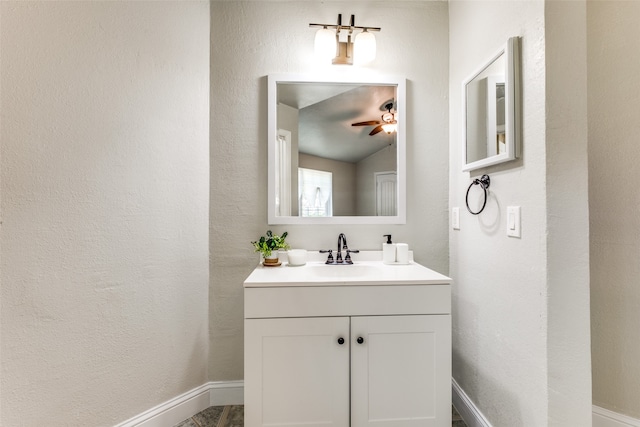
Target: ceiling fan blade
(375,130)
(367,123)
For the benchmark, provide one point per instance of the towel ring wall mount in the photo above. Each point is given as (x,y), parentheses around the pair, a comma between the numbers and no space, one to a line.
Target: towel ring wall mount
(484,181)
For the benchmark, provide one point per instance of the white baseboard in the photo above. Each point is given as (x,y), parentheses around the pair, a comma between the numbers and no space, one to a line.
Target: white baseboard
(474,418)
(606,418)
(466,408)
(226,393)
(188,404)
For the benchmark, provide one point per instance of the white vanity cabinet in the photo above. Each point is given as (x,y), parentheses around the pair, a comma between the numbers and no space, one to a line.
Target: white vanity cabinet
(296,373)
(348,353)
(399,370)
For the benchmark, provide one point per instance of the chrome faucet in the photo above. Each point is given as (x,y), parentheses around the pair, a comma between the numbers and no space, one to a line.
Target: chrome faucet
(342,245)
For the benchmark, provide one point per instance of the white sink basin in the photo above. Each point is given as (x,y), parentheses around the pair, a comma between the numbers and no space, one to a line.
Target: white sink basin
(346,271)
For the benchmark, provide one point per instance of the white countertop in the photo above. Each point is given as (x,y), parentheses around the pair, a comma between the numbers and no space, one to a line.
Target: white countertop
(367,269)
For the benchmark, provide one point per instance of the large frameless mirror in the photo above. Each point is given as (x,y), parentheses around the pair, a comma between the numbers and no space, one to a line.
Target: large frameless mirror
(336,150)
(491,110)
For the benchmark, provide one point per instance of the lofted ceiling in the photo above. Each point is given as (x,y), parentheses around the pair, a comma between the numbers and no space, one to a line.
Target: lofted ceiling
(326,112)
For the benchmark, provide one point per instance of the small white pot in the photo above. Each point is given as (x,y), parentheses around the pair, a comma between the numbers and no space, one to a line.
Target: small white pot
(297,257)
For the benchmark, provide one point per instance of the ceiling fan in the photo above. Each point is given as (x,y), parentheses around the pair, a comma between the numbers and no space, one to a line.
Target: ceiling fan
(388,123)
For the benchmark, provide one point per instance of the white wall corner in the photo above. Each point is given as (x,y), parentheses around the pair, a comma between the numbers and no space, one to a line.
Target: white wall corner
(606,418)
(188,404)
(466,408)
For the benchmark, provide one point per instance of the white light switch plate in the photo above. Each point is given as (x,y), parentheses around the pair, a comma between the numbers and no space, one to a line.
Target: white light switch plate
(455,218)
(513,221)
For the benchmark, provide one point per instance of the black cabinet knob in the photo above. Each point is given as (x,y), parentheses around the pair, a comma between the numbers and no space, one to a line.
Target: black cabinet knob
(360,340)
(340,340)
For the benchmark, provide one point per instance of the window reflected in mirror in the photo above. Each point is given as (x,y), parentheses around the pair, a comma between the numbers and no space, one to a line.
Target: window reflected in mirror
(315,188)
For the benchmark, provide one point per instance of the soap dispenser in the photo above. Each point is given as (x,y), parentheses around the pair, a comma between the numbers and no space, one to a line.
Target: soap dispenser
(388,251)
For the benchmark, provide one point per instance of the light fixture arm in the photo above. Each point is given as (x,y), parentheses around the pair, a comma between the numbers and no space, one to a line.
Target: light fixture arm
(338,27)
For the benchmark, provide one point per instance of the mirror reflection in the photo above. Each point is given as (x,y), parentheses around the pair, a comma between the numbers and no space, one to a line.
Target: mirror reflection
(333,157)
(485,112)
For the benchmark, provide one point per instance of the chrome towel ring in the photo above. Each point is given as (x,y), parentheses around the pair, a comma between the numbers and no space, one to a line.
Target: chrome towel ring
(484,181)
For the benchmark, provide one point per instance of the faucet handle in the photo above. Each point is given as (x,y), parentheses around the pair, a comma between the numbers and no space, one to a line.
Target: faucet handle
(330,257)
(347,259)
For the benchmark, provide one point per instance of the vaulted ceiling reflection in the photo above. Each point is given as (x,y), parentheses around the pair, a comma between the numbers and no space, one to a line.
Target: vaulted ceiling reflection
(327,112)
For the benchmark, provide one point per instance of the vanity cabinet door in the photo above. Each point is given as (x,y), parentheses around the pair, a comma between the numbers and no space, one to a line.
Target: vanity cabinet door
(297,372)
(401,371)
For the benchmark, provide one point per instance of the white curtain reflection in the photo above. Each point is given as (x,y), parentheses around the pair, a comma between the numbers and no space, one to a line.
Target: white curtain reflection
(315,193)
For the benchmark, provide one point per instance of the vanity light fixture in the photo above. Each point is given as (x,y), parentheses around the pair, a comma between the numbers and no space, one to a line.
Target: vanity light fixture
(328,45)
(325,48)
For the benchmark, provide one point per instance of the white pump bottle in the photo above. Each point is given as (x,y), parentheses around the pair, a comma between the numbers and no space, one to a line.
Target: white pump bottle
(388,251)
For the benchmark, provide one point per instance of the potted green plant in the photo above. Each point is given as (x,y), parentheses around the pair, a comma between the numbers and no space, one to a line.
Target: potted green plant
(269,245)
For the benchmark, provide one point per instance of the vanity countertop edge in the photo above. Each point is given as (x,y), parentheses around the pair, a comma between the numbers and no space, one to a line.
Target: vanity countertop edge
(369,272)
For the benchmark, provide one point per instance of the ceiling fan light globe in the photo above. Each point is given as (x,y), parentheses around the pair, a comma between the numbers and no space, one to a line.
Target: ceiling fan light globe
(325,45)
(364,48)
(389,128)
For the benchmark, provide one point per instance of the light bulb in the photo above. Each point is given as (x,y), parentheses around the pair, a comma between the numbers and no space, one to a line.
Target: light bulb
(365,48)
(389,127)
(325,45)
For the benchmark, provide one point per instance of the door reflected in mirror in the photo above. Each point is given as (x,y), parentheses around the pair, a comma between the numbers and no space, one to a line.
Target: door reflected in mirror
(491,110)
(336,151)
